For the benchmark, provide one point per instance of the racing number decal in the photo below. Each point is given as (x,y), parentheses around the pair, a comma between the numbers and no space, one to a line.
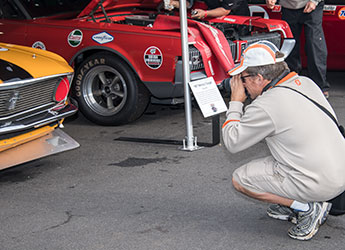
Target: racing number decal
(341,13)
(75,38)
(153,57)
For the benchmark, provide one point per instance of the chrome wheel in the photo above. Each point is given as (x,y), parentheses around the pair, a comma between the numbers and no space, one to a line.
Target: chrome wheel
(105,90)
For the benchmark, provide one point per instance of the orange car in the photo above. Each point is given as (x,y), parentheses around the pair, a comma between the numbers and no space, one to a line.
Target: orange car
(34,85)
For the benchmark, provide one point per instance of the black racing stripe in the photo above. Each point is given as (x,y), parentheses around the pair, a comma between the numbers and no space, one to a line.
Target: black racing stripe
(12,72)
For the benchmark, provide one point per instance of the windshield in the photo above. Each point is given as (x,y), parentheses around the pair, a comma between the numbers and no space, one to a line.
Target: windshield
(40,8)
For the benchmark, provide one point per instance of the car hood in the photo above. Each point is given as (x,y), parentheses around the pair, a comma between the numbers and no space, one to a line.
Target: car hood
(29,62)
(108,4)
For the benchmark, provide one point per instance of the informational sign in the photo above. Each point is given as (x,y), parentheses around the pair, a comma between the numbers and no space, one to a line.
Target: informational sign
(208,96)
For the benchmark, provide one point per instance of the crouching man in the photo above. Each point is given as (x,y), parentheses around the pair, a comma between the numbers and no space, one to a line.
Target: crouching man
(307,163)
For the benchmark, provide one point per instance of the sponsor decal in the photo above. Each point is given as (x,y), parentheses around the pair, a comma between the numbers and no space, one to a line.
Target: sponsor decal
(153,57)
(230,19)
(341,13)
(329,8)
(39,45)
(75,38)
(277,8)
(102,38)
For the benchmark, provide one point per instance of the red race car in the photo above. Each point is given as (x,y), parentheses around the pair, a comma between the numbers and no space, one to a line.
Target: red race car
(128,52)
(333,20)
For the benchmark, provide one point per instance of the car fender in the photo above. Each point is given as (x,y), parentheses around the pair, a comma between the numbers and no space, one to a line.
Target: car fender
(269,24)
(95,49)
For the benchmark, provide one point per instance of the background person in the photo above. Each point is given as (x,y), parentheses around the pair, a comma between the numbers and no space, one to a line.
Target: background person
(176,4)
(307,14)
(219,8)
(307,149)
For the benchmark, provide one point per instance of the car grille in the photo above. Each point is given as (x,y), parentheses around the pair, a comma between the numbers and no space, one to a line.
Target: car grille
(273,37)
(27,97)
(233,49)
(195,59)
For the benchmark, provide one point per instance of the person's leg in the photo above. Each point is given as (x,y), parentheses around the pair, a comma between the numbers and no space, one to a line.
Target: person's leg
(267,180)
(265,197)
(316,47)
(292,17)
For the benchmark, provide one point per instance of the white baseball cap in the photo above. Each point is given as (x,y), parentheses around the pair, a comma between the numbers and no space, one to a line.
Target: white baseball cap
(257,54)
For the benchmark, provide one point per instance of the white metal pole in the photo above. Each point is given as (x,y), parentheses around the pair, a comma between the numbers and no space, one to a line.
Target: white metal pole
(190,139)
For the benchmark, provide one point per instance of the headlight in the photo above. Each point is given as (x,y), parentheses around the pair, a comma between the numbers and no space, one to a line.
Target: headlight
(62,89)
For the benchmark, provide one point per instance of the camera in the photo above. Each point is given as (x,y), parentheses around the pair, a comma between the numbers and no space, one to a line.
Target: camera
(194,12)
(225,88)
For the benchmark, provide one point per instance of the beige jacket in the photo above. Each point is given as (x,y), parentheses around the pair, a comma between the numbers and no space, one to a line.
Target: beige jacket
(298,134)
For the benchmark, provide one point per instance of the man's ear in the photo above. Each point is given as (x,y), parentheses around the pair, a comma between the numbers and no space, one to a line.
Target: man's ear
(260,80)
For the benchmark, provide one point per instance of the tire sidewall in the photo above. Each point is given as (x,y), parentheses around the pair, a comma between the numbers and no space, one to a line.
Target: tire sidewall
(106,59)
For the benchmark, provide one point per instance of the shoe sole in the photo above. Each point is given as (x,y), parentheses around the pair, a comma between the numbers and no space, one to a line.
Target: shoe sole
(306,237)
(283,217)
(326,207)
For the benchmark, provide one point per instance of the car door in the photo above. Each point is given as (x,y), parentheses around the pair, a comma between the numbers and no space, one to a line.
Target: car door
(13,28)
(333,27)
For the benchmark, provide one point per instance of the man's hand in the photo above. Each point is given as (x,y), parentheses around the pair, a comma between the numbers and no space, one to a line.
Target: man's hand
(200,14)
(237,89)
(309,7)
(176,4)
(270,3)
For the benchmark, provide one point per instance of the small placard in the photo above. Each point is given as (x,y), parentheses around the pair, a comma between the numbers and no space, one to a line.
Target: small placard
(208,96)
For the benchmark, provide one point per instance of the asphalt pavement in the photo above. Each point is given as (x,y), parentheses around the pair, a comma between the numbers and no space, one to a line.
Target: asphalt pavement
(130,195)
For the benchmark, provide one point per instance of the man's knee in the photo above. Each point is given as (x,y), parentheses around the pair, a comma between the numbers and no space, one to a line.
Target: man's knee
(243,190)
(237,186)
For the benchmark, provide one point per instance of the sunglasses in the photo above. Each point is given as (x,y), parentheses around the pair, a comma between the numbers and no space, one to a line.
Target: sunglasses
(243,78)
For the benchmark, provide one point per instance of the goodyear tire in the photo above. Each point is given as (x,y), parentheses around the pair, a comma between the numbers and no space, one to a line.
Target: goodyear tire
(108,92)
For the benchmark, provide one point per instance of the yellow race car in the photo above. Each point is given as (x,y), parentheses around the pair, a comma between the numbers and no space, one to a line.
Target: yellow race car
(34,86)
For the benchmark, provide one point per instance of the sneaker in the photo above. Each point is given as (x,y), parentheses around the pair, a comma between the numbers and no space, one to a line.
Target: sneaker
(280,212)
(308,222)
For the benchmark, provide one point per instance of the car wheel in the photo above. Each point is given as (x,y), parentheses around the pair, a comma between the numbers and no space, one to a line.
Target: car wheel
(108,92)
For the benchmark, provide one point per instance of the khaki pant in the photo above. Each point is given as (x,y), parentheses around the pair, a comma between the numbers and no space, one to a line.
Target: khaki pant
(266,175)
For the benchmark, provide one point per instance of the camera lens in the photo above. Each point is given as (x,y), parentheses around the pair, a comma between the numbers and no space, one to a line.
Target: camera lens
(226,86)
